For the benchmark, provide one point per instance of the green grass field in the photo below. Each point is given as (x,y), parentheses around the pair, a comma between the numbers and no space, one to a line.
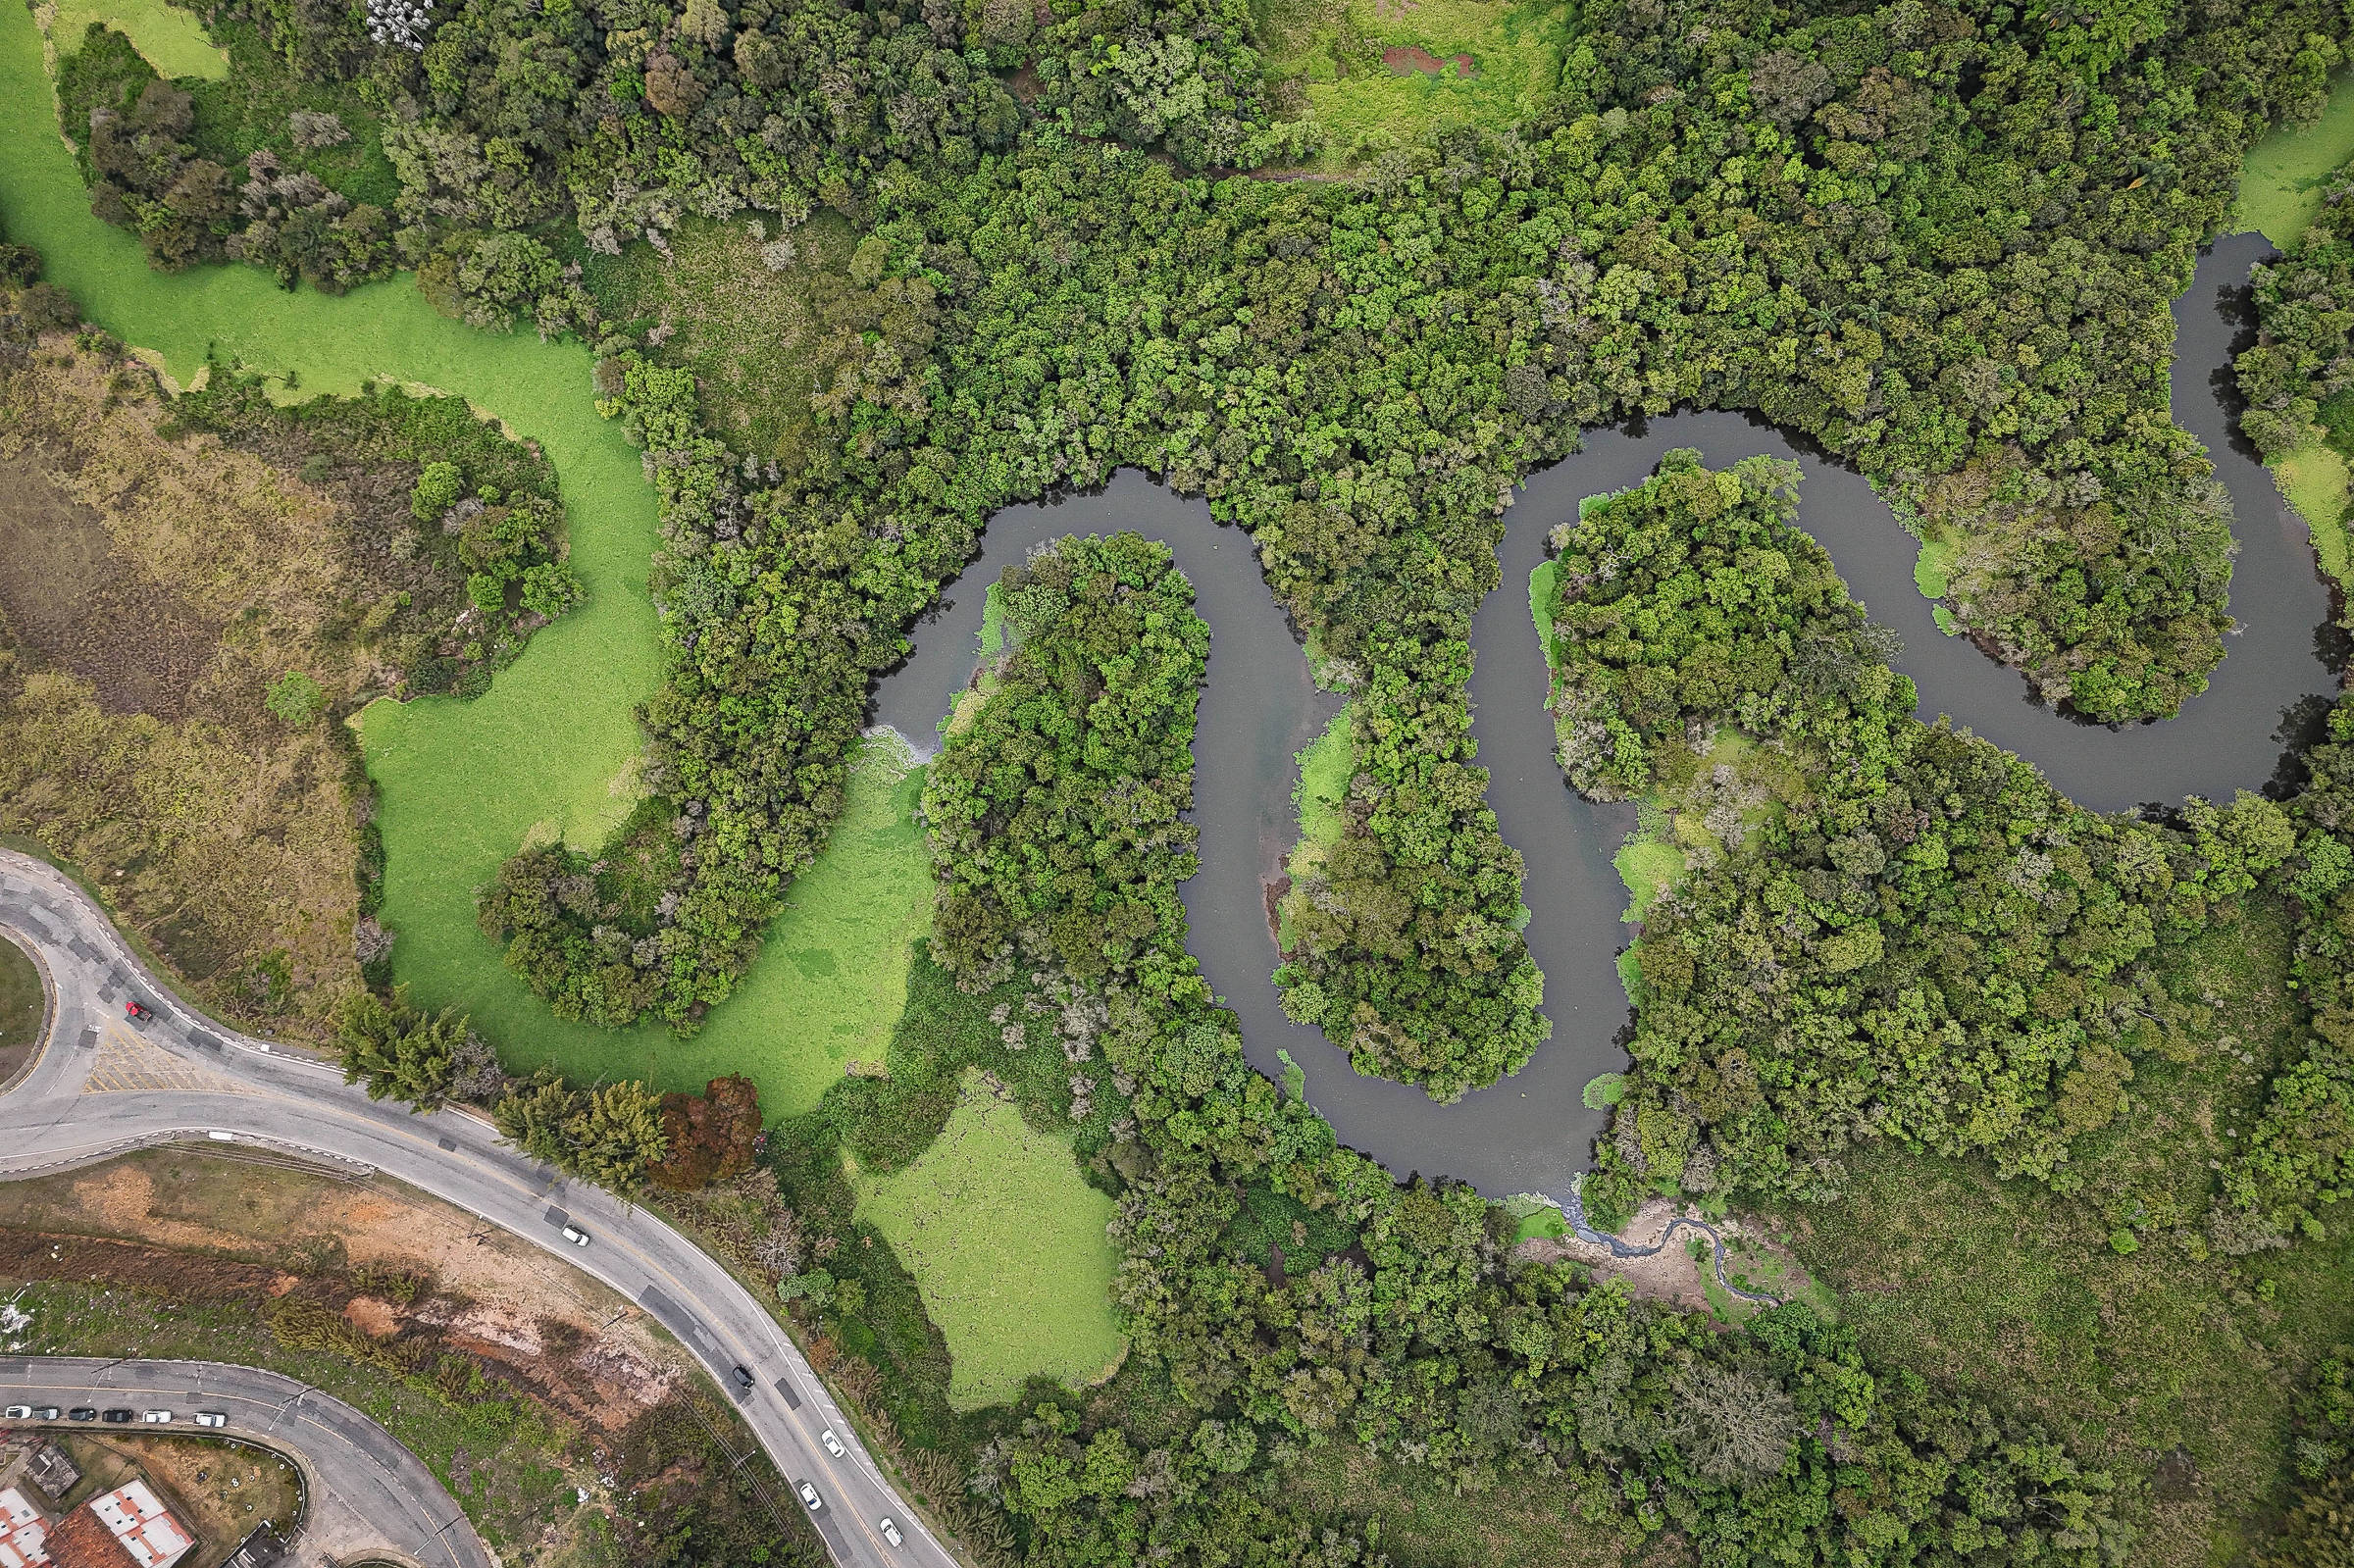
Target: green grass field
(1327,60)
(550,751)
(173,40)
(2281,182)
(1326,765)
(1325,769)
(1007,1246)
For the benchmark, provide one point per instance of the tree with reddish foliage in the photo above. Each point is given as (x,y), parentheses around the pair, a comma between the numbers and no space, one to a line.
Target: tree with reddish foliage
(712,1136)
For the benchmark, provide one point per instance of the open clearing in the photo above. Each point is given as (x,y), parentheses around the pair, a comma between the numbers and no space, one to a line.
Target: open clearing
(759,336)
(1008,1248)
(2281,182)
(173,40)
(68,591)
(1377,74)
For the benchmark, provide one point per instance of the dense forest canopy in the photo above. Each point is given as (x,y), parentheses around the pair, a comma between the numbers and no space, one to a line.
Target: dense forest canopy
(1940,239)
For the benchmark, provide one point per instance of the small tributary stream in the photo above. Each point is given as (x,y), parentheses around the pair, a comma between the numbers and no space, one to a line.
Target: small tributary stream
(1532,1132)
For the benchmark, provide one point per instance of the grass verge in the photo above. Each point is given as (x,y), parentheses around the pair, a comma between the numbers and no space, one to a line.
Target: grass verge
(21,1007)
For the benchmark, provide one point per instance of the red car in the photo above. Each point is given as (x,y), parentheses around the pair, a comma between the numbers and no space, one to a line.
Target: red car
(137,1012)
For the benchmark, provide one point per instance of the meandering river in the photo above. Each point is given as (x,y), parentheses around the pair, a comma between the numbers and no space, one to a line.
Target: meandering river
(1532,1132)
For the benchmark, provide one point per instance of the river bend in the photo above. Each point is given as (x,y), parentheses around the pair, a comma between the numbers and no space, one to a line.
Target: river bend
(1532,1132)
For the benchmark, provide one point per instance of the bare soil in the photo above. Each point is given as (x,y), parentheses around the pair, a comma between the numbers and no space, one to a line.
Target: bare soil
(69,595)
(189,1222)
(1672,1274)
(1403,58)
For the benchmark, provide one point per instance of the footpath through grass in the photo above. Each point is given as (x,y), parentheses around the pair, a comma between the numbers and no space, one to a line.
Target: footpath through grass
(550,751)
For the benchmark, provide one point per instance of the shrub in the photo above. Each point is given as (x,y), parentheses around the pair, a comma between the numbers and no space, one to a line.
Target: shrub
(296,699)
(550,589)
(438,486)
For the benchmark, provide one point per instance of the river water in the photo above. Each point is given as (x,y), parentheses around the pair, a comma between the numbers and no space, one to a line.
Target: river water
(1531,1133)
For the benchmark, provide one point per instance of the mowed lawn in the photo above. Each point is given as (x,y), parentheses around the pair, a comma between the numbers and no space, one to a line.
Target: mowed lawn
(1007,1246)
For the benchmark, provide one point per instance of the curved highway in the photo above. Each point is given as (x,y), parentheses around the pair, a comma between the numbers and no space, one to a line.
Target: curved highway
(362,1489)
(102,1086)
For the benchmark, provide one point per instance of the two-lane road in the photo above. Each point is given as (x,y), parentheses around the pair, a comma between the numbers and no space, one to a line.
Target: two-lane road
(102,1086)
(364,1489)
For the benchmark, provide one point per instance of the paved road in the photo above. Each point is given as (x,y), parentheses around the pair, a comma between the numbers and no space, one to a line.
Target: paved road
(365,1492)
(102,1086)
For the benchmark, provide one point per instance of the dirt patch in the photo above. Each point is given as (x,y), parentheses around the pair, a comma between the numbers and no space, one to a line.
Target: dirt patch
(174,1219)
(1403,59)
(378,1320)
(67,594)
(1670,1275)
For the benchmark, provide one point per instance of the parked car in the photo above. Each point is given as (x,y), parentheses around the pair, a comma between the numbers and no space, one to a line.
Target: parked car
(212,1418)
(44,1412)
(576,1235)
(832,1442)
(744,1378)
(17,1412)
(83,1412)
(891,1531)
(809,1497)
(137,1012)
(156,1418)
(116,1416)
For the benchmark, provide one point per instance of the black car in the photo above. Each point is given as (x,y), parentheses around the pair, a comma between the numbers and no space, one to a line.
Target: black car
(744,1378)
(83,1412)
(118,1416)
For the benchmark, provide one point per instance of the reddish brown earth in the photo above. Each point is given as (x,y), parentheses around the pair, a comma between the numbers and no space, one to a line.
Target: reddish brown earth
(1403,58)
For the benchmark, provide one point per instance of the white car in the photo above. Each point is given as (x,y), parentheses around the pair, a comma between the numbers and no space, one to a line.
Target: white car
(212,1418)
(891,1531)
(832,1442)
(576,1235)
(19,1412)
(809,1497)
(156,1418)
